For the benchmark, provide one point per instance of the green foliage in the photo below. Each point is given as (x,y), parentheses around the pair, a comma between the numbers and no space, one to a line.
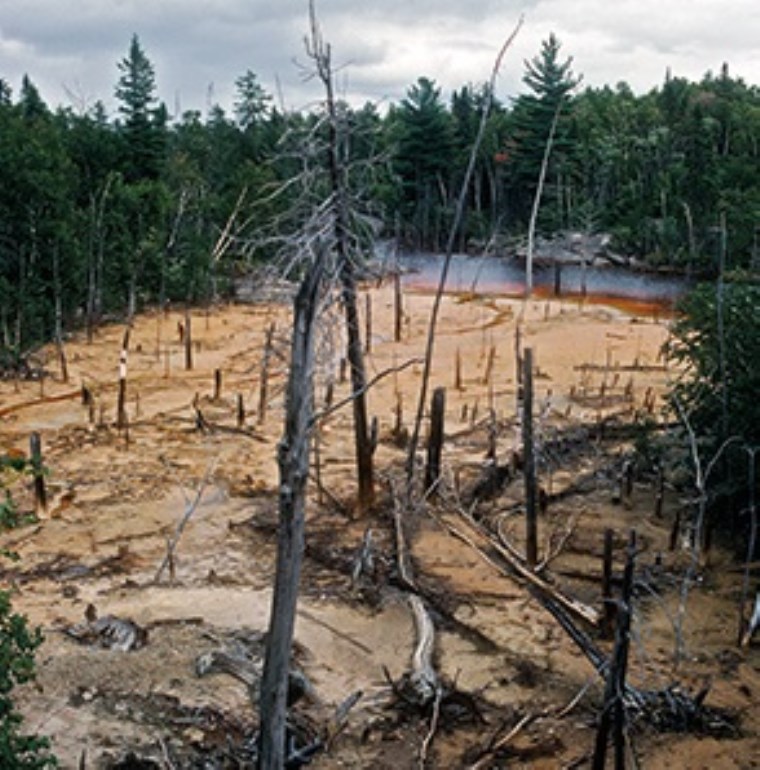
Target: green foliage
(100,215)
(551,82)
(17,647)
(719,389)
(144,128)
(717,346)
(9,517)
(422,134)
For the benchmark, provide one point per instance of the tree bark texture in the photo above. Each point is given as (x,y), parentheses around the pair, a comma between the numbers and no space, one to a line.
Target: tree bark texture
(435,441)
(293,461)
(531,528)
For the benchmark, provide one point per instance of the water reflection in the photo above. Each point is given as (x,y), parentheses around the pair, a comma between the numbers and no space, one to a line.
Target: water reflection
(493,275)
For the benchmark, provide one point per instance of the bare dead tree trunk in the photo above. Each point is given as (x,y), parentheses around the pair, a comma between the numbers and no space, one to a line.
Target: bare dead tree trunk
(264,382)
(188,337)
(613,714)
(240,412)
(458,215)
(608,609)
(529,465)
(59,315)
(121,411)
(537,202)
(35,453)
(97,259)
(368,323)
(293,461)
(518,361)
(320,54)
(435,441)
(398,309)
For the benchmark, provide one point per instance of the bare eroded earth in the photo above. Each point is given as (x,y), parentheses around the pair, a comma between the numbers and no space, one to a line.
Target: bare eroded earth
(116,499)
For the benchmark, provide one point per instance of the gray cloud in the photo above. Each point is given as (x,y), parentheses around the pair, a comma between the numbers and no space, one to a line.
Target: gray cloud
(70,48)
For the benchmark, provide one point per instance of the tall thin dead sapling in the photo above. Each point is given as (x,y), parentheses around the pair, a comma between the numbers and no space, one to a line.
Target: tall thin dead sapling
(529,465)
(451,242)
(537,201)
(702,474)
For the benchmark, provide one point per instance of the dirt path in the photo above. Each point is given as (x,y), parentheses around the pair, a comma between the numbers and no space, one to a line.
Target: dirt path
(116,500)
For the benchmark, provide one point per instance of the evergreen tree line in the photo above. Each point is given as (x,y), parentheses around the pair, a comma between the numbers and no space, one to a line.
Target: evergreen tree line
(101,214)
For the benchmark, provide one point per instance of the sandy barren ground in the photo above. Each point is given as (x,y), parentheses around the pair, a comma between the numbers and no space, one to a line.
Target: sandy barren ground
(116,500)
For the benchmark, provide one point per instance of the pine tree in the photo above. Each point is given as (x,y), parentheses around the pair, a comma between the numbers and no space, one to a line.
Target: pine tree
(144,126)
(424,144)
(551,82)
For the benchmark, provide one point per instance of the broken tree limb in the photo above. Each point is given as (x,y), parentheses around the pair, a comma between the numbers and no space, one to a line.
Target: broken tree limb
(171,546)
(340,718)
(421,684)
(364,561)
(487,756)
(403,562)
(433,728)
(529,463)
(379,376)
(578,609)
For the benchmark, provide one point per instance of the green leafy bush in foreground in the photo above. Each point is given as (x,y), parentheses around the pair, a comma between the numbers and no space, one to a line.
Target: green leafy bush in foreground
(17,647)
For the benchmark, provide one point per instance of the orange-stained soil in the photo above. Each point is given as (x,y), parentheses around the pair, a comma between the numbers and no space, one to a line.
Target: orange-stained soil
(115,500)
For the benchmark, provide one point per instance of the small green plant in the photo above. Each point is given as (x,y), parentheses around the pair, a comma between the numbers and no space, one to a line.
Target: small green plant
(18,644)
(17,647)
(9,518)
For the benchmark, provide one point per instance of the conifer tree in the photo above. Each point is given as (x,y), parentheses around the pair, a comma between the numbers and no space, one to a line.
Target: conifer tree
(551,82)
(144,126)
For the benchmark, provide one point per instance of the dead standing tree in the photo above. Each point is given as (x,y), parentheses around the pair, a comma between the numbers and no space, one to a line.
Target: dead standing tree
(537,201)
(320,54)
(293,461)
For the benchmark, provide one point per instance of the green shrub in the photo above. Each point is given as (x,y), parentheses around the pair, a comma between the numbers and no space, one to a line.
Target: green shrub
(17,646)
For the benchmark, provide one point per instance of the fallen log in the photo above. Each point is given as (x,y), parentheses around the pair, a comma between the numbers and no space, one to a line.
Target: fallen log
(419,686)
(670,709)
(68,396)
(403,560)
(247,669)
(578,609)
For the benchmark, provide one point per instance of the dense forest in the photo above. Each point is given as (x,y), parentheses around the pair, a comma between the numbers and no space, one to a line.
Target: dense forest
(101,214)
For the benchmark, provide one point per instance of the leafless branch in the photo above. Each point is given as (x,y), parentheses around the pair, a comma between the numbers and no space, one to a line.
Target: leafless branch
(189,510)
(379,376)
(461,202)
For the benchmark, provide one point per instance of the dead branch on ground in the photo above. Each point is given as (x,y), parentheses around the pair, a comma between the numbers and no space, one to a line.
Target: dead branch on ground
(168,560)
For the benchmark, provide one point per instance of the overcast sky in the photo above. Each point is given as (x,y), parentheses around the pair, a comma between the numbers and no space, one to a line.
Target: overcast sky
(70,48)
